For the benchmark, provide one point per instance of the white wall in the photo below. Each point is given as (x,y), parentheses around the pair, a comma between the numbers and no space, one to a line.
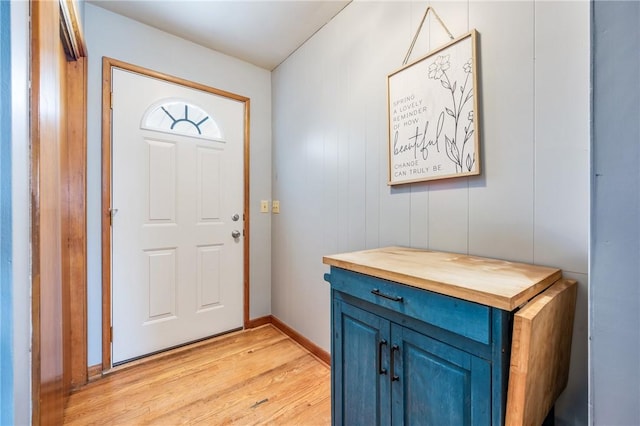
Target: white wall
(615,237)
(531,202)
(21,214)
(114,36)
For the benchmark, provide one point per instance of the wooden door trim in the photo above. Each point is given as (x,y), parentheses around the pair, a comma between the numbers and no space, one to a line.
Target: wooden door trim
(74,195)
(72,35)
(57,118)
(75,200)
(107,65)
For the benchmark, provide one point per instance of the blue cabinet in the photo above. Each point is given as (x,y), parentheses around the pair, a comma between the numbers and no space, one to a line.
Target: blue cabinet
(421,337)
(406,356)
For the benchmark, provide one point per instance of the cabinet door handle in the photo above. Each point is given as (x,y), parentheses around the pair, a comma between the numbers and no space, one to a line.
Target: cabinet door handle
(394,349)
(377,292)
(381,370)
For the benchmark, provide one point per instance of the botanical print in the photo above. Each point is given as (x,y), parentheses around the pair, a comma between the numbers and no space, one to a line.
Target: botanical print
(432,116)
(438,71)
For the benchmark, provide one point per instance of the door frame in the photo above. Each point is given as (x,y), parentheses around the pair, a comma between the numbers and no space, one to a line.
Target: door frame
(107,65)
(57,120)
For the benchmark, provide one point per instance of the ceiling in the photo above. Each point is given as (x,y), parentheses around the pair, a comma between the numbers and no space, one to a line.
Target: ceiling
(261,32)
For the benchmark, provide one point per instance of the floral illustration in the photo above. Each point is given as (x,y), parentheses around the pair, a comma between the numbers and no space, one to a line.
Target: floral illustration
(461,94)
(438,67)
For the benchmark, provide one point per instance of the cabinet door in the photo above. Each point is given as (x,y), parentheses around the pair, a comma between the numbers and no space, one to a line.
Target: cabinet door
(360,365)
(437,384)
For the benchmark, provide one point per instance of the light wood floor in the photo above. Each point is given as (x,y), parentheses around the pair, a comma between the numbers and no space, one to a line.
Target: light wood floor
(252,377)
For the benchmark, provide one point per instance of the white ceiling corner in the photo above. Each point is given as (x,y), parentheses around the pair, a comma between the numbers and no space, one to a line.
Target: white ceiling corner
(261,32)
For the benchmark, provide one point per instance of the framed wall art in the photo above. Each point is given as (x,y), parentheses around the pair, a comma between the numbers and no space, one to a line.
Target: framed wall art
(433,115)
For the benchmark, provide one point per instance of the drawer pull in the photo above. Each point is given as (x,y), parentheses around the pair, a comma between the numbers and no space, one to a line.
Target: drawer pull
(381,370)
(386,296)
(394,376)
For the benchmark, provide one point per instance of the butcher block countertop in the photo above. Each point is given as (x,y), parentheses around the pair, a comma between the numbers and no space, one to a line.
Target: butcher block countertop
(497,283)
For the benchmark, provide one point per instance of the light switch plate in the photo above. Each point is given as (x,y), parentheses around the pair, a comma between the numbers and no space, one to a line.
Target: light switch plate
(264,206)
(275,206)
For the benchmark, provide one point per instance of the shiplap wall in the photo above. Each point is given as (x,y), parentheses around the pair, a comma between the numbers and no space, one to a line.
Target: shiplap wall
(531,202)
(108,34)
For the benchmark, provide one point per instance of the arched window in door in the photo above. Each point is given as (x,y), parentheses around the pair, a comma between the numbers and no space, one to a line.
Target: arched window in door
(181,117)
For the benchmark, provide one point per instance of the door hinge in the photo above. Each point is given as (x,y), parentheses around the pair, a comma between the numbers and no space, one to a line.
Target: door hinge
(111,334)
(112,213)
(111,100)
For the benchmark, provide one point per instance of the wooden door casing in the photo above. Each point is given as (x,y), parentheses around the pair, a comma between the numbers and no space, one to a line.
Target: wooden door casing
(75,218)
(47,65)
(57,129)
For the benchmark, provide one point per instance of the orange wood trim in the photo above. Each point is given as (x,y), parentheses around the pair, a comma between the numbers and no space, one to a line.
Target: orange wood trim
(106,217)
(65,223)
(77,216)
(258,322)
(72,36)
(35,208)
(114,63)
(94,372)
(247,204)
(107,65)
(316,350)
(48,129)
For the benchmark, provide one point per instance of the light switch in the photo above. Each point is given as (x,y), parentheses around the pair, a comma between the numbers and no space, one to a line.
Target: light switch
(275,206)
(264,206)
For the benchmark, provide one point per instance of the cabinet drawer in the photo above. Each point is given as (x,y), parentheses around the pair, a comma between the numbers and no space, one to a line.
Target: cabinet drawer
(464,318)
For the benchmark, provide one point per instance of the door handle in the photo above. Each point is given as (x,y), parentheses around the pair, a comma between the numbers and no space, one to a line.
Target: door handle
(394,376)
(235,217)
(235,234)
(381,370)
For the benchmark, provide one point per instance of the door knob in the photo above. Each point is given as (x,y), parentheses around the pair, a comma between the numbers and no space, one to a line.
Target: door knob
(235,234)
(235,217)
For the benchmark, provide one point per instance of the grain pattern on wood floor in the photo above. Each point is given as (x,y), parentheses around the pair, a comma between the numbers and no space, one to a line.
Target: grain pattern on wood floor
(253,377)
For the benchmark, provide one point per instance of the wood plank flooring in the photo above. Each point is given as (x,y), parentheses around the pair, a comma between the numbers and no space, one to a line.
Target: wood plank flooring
(252,377)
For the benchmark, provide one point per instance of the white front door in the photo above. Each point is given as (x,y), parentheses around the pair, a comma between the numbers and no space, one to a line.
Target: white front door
(177,214)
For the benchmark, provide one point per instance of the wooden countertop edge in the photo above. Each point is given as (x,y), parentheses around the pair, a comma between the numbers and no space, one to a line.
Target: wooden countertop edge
(471,295)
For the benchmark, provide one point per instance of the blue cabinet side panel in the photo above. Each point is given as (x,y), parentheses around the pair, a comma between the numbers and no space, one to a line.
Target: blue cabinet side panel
(6,298)
(502,327)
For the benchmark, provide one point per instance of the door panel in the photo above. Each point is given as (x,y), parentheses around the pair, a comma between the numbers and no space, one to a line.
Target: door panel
(439,384)
(209,282)
(361,363)
(162,179)
(208,184)
(161,283)
(177,272)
